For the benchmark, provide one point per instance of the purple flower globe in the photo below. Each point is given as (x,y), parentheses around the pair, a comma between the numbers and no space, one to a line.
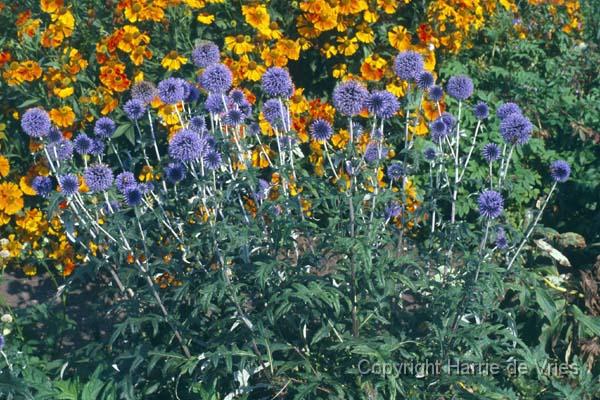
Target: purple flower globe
(395,171)
(237,96)
(198,124)
(320,130)
(234,117)
(382,104)
(69,184)
(349,98)
(276,82)
(54,135)
(144,92)
(124,180)
(429,154)
(271,110)
(82,144)
(97,147)
(393,210)
(61,150)
(560,170)
(133,195)
(171,90)
(408,65)
(435,93)
(42,185)
(206,54)
(373,152)
(185,146)
(36,122)
(104,127)
(506,109)
(460,87)
(481,110)
(212,160)
(438,130)
(490,152)
(490,204)
(98,178)
(175,172)
(449,120)
(216,78)
(214,103)
(134,109)
(425,80)
(516,129)
(501,240)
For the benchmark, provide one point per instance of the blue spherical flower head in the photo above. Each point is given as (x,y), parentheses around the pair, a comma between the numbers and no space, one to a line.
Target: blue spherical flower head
(271,110)
(320,130)
(506,109)
(395,171)
(374,152)
(449,120)
(276,82)
(171,90)
(501,240)
(425,80)
(481,110)
(124,180)
(349,98)
(438,129)
(36,122)
(104,128)
(382,104)
(490,204)
(82,144)
(54,135)
(234,117)
(198,124)
(69,184)
(393,210)
(214,103)
(144,92)
(408,65)
(212,160)
(262,192)
(237,96)
(133,195)
(42,185)
(97,147)
(134,109)
(560,170)
(192,93)
(61,150)
(216,78)
(435,93)
(175,172)
(185,146)
(98,178)
(460,87)
(516,129)
(206,54)
(490,152)
(430,154)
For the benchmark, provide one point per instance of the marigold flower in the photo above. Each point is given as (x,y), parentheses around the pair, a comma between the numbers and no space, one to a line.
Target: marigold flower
(62,117)
(11,198)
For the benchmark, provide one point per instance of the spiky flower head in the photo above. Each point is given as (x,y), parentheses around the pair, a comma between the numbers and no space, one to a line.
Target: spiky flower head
(271,110)
(490,152)
(425,80)
(171,90)
(98,177)
(42,185)
(435,93)
(560,170)
(36,122)
(124,180)
(490,204)
(276,82)
(82,144)
(185,146)
(382,104)
(212,160)
(206,54)
(438,130)
(516,129)
(104,127)
(481,110)
(234,117)
(429,154)
(134,109)
(144,91)
(408,65)
(320,130)
(175,172)
(395,171)
(198,124)
(216,78)
(349,97)
(133,195)
(61,150)
(460,87)
(214,103)
(506,109)
(69,184)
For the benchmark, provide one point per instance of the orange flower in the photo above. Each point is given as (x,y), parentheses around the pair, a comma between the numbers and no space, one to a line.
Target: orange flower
(63,117)
(4,166)
(114,77)
(11,198)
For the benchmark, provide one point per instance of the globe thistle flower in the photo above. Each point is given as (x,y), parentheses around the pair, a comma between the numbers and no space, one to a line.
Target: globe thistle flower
(373,152)
(54,135)
(82,144)
(516,129)
(97,147)
(382,104)
(198,124)
(490,204)
(214,103)
(124,180)
(175,172)
(134,109)
(320,130)
(425,80)
(262,192)
(185,146)
(205,55)
(449,120)
(36,122)
(506,109)
(429,154)
(69,184)
(98,178)
(216,78)
(276,82)
(438,129)
(171,90)
(393,210)
(435,93)
(192,93)
(490,152)
(460,87)
(501,240)
(212,160)
(349,98)
(42,185)
(560,170)
(133,195)
(104,127)
(234,117)
(395,171)
(408,65)
(481,110)
(271,110)
(237,96)
(144,91)
(61,150)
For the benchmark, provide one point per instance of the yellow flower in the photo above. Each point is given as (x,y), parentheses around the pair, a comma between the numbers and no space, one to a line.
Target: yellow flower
(4,166)
(340,70)
(388,6)
(239,44)
(289,47)
(399,38)
(328,50)
(365,34)
(206,18)
(63,117)
(11,198)
(352,6)
(347,46)
(250,70)
(25,186)
(30,270)
(257,16)
(173,61)
(373,67)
